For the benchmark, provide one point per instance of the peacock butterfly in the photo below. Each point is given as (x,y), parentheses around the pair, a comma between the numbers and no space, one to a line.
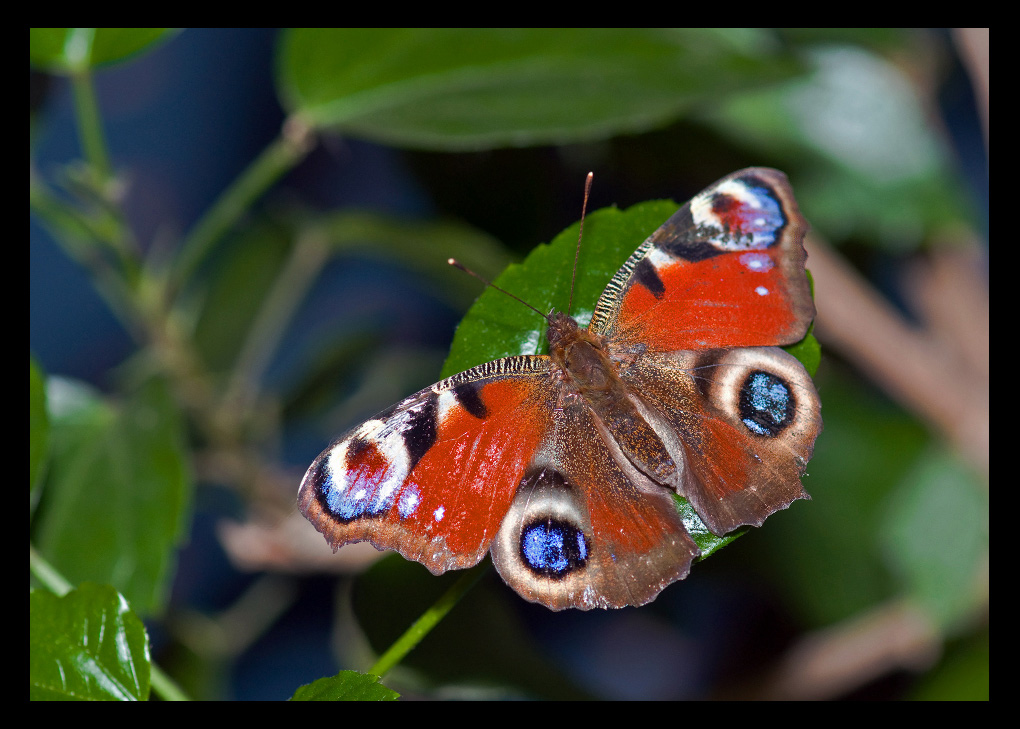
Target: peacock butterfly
(564,465)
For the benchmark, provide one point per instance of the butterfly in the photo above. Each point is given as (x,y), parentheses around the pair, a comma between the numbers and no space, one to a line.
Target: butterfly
(564,466)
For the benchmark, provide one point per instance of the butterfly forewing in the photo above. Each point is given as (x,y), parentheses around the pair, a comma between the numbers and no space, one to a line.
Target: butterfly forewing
(433,476)
(727,270)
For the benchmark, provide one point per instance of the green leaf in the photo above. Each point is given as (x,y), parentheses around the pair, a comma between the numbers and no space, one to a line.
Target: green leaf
(117,490)
(87,645)
(808,351)
(872,168)
(345,686)
(469,88)
(707,541)
(63,50)
(497,327)
(38,426)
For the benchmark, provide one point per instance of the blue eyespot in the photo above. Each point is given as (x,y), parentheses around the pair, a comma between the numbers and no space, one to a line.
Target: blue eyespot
(350,499)
(766,404)
(553,548)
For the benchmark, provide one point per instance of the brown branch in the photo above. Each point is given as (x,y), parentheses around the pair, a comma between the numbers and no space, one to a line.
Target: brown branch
(939,372)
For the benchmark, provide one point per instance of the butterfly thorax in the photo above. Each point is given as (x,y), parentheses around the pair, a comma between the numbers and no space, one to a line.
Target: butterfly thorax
(581,356)
(582,361)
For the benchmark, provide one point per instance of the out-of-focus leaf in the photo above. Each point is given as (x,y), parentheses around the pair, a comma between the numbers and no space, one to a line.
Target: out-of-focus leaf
(470,88)
(62,50)
(961,675)
(38,425)
(828,552)
(872,167)
(118,490)
(935,534)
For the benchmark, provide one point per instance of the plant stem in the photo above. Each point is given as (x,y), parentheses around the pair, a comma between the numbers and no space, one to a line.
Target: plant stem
(299,271)
(294,142)
(429,619)
(47,574)
(90,126)
(165,686)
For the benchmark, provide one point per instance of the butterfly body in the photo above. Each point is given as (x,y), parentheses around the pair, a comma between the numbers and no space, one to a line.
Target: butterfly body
(565,465)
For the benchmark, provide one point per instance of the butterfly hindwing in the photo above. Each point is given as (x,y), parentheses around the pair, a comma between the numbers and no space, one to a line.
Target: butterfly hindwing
(586,529)
(744,422)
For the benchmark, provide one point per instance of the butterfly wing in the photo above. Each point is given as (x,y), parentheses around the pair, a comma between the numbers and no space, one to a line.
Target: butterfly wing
(726,270)
(690,318)
(433,476)
(585,528)
(503,451)
(743,423)
(515,455)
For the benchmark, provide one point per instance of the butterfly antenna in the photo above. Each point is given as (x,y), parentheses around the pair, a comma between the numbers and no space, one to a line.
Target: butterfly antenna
(580,234)
(457,264)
